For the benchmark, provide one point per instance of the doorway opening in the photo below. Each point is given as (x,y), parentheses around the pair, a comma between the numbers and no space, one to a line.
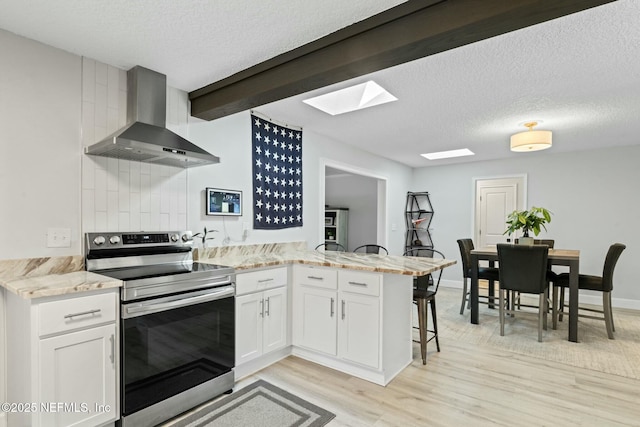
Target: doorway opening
(363,193)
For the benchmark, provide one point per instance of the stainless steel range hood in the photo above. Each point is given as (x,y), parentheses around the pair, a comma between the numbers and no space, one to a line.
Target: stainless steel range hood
(145,138)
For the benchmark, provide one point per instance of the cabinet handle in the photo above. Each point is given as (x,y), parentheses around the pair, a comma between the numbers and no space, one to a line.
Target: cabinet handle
(358,284)
(265,280)
(112,356)
(267,310)
(332,311)
(262,307)
(315,278)
(342,309)
(84,313)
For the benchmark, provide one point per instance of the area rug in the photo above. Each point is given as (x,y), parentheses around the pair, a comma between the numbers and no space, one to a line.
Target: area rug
(259,404)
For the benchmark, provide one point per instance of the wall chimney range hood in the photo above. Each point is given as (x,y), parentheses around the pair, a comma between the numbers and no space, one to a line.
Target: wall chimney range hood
(145,138)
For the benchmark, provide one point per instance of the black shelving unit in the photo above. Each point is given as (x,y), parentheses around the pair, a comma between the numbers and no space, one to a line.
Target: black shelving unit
(418,216)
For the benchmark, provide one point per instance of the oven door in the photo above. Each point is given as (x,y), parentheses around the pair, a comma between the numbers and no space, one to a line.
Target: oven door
(172,344)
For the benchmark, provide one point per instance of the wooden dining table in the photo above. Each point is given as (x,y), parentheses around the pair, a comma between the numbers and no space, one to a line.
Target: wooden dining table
(566,257)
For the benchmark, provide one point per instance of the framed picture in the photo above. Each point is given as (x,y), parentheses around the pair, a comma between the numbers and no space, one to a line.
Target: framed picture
(328,220)
(223,202)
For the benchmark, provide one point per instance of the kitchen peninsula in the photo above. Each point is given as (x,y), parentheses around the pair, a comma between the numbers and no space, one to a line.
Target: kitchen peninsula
(348,311)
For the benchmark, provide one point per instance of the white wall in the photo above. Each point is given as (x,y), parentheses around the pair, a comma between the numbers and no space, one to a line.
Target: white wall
(359,194)
(592,195)
(39,147)
(230,138)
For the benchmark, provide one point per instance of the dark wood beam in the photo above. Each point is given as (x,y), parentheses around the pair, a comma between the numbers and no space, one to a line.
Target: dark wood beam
(409,31)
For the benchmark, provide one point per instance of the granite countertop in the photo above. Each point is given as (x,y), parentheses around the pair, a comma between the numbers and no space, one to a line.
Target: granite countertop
(58,284)
(410,266)
(43,277)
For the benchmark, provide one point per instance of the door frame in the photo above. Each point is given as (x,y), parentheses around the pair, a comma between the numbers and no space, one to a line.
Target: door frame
(381,214)
(474,210)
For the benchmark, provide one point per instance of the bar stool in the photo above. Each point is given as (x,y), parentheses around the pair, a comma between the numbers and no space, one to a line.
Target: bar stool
(424,292)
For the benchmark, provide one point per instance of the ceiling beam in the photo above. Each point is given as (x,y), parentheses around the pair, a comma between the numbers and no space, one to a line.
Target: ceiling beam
(409,31)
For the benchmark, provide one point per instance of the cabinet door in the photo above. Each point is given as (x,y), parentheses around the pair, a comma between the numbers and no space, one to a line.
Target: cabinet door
(249,313)
(78,369)
(359,329)
(275,320)
(316,319)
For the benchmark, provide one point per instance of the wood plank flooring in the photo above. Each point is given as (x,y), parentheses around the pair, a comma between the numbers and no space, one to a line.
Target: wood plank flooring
(483,382)
(465,385)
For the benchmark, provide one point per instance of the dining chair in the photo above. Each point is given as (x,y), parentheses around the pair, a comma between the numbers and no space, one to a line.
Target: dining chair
(523,268)
(485,273)
(331,246)
(602,284)
(372,249)
(424,292)
(551,276)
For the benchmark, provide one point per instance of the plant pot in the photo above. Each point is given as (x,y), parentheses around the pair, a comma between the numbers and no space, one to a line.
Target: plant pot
(525,241)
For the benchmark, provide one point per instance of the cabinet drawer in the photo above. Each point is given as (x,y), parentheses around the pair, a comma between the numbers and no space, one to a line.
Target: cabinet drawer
(359,283)
(319,277)
(260,280)
(73,313)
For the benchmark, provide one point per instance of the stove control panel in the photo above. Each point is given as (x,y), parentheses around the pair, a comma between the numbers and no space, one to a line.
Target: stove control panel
(110,240)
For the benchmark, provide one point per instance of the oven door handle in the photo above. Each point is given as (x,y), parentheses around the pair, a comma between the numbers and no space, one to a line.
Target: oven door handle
(149,307)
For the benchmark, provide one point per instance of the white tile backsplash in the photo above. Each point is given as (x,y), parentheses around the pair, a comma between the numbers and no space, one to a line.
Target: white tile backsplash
(113,87)
(122,195)
(101,73)
(100,115)
(88,80)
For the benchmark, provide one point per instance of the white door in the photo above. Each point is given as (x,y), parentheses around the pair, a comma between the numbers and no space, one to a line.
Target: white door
(275,319)
(315,311)
(249,312)
(358,330)
(79,368)
(495,200)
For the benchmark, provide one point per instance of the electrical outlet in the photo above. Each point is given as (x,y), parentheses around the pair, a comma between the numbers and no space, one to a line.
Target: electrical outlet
(59,238)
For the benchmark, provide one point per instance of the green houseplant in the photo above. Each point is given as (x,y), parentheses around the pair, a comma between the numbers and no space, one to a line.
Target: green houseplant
(531,220)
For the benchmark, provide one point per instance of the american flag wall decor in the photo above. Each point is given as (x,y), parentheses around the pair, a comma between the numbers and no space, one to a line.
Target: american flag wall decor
(277,175)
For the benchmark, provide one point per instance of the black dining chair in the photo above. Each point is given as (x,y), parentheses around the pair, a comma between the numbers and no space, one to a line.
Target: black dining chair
(484,273)
(551,276)
(372,249)
(523,268)
(602,284)
(424,292)
(331,246)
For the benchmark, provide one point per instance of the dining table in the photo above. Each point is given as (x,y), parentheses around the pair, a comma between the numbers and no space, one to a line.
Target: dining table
(565,257)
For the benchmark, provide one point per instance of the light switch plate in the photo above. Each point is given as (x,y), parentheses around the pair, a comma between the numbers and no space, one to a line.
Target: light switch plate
(59,238)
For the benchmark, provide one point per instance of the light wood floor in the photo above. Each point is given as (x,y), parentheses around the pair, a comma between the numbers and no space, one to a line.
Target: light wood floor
(484,382)
(465,386)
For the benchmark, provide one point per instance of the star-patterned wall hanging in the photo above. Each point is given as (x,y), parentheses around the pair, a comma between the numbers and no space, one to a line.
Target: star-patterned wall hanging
(277,175)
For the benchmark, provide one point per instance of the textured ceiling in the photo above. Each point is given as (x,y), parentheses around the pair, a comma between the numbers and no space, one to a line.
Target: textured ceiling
(579,74)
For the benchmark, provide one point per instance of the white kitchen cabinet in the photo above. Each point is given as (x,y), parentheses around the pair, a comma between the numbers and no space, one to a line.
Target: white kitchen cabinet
(315,318)
(337,313)
(358,329)
(64,357)
(78,367)
(261,314)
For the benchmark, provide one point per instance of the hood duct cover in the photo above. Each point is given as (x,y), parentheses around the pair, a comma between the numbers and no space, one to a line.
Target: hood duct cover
(146,138)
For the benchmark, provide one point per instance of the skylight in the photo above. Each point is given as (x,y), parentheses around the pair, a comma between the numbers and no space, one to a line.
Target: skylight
(353,98)
(448,154)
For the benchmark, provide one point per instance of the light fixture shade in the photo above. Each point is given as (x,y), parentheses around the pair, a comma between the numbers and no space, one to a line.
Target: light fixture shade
(531,140)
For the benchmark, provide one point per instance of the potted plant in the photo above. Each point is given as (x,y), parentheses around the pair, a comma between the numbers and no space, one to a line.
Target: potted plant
(531,220)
